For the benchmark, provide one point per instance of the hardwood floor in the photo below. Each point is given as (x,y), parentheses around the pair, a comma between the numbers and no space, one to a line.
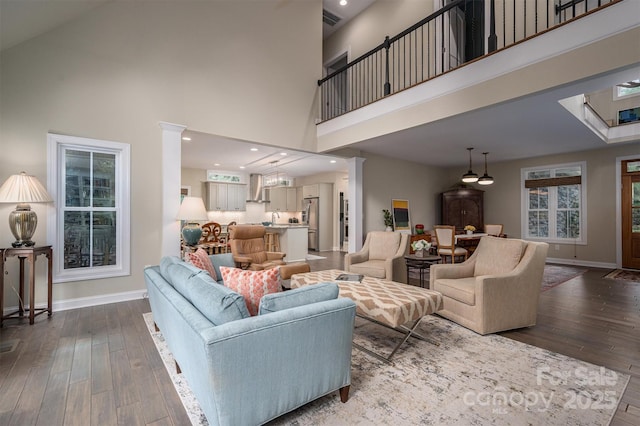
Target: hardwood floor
(99,366)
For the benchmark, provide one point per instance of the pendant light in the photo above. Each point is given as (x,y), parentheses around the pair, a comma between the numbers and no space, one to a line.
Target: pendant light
(485,179)
(469,177)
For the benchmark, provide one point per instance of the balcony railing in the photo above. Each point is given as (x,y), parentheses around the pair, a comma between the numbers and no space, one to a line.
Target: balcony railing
(441,42)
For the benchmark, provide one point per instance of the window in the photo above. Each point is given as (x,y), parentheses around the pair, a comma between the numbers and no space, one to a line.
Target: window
(625,90)
(554,200)
(89,224)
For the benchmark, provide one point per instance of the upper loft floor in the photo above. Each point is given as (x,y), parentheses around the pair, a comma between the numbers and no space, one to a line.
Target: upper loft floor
(466,57)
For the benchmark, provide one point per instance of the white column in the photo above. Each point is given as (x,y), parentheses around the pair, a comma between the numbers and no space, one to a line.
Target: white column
(171,177)
(355,203)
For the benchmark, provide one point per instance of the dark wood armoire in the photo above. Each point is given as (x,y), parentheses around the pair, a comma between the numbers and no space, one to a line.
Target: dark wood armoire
(463,206)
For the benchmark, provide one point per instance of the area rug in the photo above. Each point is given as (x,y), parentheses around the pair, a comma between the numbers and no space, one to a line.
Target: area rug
(468,379)
(623,274)
(554,275)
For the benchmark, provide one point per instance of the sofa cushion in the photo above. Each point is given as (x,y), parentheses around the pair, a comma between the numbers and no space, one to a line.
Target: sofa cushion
(223,259)
(383,245)
(177,276)
(298,297)
(496,256)
(164,264)
(370,268)
(216,302)
(200,259)
(252,284)
(460,289)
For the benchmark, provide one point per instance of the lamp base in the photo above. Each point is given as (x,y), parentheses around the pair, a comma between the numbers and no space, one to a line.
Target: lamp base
(23,222)
(191,234)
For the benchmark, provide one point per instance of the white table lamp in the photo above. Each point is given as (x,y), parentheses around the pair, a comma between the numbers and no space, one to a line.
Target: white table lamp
(23,189)
(192,209)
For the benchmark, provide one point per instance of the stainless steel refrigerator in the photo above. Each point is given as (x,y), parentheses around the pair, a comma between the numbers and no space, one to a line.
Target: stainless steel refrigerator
(312,212)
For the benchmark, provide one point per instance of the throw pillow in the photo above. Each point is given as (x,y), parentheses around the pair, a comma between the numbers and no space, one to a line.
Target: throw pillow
(252,284)
(200,258)
(298,297)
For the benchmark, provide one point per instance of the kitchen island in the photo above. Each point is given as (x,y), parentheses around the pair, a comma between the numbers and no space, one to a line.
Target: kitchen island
(294,240)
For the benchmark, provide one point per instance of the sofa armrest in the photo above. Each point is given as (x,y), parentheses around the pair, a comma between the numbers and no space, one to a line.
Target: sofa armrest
(353,258)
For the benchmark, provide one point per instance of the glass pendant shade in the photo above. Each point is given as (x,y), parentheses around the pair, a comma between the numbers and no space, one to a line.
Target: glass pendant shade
(23,189)
(470,177)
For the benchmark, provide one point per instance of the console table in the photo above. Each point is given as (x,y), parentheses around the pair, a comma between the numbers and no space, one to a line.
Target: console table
(29,254)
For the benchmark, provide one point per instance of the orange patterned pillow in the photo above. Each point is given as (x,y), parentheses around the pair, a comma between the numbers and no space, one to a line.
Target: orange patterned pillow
(200,259)
(252,284)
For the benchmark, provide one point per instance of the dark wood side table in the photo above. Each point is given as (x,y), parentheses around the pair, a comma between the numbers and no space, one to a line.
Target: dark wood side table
(30,254)
(422,264)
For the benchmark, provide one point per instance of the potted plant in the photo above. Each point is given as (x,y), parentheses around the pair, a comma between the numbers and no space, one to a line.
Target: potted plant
(388,219)
(420,246)
(470,229)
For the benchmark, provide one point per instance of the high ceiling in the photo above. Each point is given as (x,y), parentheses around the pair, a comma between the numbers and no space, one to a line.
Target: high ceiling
(532,126)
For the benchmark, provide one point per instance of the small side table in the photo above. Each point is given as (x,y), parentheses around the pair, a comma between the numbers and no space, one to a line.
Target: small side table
(422,264)
(30,254)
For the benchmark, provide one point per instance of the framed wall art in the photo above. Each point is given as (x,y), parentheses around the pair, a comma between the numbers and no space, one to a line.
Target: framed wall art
(401,220)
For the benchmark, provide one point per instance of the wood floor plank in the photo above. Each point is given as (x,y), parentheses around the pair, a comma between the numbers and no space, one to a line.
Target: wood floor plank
(130,415)
(78,409)
(51,412)
(28,405)
(124,388)
(63,359)
(81,365)
(103,409)
(101,378)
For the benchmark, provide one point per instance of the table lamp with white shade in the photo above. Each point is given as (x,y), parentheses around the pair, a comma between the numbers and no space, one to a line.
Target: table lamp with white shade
(191,210)
(23,189)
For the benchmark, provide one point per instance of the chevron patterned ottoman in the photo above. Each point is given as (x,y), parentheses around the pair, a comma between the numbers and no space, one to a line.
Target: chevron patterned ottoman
(384,302)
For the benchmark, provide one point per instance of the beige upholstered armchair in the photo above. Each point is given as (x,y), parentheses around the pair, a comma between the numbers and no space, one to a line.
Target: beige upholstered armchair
(382,256)
(496,289)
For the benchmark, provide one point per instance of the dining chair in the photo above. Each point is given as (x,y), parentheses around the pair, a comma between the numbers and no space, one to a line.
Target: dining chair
(210,232)
(495,230)
(446,239)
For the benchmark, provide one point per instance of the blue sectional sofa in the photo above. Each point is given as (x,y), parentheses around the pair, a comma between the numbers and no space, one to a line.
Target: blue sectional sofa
(248,370)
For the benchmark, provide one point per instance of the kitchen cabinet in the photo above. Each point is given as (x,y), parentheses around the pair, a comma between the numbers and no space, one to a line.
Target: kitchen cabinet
(299,199)
(225,196)
(310,191)
(236,197)
(284,199)
(292,200)
(462,207)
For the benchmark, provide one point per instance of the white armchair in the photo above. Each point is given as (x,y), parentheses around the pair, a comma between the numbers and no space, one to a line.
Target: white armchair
(496,289)
(382,256)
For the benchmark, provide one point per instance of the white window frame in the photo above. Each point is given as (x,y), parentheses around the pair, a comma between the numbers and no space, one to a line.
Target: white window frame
(56,145)
(553,204)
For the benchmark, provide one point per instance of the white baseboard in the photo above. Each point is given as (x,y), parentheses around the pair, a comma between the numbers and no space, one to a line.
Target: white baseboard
(603,265)
(83,302)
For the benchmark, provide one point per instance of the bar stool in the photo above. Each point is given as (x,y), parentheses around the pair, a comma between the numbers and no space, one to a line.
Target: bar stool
(272,241)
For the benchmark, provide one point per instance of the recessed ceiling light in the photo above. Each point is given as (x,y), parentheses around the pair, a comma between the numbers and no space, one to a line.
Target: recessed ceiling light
(343,2)
(242,167)
(254,149)
(216,164)
(283,153)
(186,138)
(332,161)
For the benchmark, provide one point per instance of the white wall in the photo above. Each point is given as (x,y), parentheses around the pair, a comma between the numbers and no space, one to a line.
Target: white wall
(219,67)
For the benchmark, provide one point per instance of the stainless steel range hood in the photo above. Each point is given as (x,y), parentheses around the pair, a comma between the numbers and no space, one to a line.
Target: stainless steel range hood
(255,189)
